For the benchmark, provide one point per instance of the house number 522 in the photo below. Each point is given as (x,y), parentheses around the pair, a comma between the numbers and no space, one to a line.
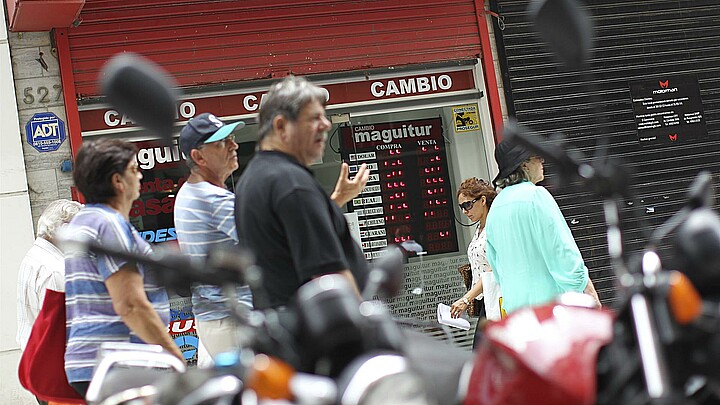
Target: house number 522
(41,94)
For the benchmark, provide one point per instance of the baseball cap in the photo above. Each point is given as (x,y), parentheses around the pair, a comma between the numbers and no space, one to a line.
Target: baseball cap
(205,128)
(509,156)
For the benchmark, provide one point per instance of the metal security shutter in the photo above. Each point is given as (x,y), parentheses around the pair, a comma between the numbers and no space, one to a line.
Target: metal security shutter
(634,39)
(214,42)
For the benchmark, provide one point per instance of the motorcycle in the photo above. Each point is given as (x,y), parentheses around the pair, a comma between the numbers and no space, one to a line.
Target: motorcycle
(660,347)
(331,347)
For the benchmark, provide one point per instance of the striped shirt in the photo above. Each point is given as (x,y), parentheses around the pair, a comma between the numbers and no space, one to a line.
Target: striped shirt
(204,220)
(91,319)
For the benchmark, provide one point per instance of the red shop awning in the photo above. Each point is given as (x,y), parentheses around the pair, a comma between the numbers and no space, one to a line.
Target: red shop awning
(42,15)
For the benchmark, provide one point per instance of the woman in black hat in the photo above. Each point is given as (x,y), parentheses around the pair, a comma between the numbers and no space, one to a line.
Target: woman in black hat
(529,245)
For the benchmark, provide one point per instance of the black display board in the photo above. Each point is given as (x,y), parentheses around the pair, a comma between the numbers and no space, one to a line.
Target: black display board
(408,199)
(668,110)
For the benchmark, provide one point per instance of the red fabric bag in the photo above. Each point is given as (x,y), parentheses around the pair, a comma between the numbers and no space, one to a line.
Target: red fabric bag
(42,365)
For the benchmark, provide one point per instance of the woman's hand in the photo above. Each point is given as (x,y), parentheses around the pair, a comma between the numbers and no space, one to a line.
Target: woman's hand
(457,308)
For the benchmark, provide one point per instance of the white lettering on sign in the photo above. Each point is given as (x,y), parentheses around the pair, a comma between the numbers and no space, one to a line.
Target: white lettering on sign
(46,130)
(187,110)
(126,120)
(387,135)
(389,146)
(250,102)
(147,158)
(112,118)
(413,85)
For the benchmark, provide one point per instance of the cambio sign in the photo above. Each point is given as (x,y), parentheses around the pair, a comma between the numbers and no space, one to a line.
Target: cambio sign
(95,121)
(186,110)
(413,85)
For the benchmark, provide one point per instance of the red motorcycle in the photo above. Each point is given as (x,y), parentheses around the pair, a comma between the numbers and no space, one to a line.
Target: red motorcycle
(541,355)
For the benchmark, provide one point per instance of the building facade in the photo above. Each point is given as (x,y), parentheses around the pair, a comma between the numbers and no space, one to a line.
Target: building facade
(418,89)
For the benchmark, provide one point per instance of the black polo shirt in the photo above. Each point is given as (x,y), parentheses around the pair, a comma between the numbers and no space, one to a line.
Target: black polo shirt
(295,230)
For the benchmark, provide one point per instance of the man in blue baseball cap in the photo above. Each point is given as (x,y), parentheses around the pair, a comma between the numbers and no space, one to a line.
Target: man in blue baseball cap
(205,220)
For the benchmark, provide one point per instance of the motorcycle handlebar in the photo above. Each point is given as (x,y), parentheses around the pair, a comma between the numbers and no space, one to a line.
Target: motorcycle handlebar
(222,266)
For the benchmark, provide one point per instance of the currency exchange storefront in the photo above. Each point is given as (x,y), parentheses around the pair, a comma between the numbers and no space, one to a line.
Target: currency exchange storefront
(422,130)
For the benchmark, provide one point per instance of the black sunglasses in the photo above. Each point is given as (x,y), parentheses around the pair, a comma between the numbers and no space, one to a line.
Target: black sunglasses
(467,205)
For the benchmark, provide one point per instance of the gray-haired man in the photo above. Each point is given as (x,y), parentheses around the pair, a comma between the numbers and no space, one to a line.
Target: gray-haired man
(282,213)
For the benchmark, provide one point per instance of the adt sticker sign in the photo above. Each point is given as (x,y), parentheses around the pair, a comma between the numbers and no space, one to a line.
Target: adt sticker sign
(45,132)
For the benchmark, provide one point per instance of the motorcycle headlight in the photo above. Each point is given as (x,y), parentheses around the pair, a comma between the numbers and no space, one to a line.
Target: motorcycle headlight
(381,379)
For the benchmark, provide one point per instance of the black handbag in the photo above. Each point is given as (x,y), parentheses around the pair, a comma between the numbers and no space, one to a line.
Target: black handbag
(476,308)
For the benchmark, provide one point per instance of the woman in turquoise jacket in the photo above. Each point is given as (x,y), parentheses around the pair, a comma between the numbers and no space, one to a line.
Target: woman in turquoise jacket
(529,245)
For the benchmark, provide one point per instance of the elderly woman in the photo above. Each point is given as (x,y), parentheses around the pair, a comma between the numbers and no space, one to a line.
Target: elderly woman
(43,266)
(109,299)
(529,244)
(475,196)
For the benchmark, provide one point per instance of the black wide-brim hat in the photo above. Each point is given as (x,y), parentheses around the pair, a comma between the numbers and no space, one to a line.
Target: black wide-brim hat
(509,156)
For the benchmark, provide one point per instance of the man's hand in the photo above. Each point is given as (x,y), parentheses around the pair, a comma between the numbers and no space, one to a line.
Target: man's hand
(346,189)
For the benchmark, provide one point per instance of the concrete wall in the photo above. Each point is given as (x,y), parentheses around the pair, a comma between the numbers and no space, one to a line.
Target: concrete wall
(16,226)
(39,90)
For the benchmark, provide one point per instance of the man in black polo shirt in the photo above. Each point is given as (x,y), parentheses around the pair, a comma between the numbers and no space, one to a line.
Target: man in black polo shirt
(283,215)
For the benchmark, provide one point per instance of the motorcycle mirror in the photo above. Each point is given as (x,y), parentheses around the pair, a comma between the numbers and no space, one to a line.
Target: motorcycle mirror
(697,245)
(566,28)
(387,276)
(700,193)
(140,89)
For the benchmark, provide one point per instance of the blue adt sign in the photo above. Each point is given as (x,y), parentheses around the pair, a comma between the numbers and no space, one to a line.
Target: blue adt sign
(45,132)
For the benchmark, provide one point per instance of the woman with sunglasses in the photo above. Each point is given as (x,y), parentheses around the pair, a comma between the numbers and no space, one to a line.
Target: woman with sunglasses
(475,196)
